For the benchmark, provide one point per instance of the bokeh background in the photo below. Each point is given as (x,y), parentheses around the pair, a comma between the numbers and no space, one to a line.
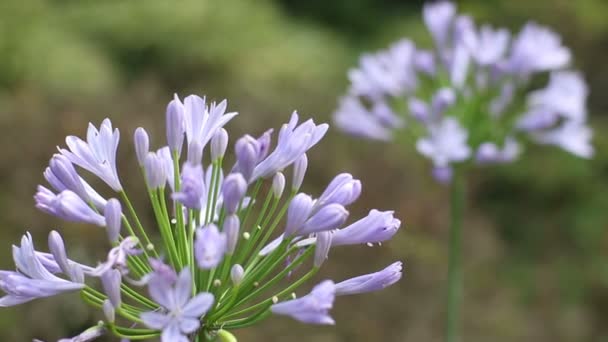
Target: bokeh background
(536,241)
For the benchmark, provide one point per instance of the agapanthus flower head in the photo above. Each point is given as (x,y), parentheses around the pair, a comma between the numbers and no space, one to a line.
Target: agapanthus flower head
(473,99)
(212,266)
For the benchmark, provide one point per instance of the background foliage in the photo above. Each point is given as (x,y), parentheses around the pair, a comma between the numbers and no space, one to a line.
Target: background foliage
(535,237)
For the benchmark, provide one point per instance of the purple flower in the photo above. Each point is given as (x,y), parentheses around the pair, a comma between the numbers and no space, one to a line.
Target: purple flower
(353,118)
(371,282)
(182,312)
(117,257)
(209,247)
(299,171)
(142,145)
(246,150)
(438,17)
(489,152)
(164,154)
(388,72)
(32,280)
(298,212)
(446,143)
(113,216)
(278,184)
(61,175)
(565,95)
(343,189)
(312,308)
(219,143)
(443,174)
(175,125)
(202,122)
(68,206)
(323,244)
(110,282)
(537,119)
(424,61)
(193,187)
(574,137)
(233,190)
(488,46)
(98,154)
(537,48)
(155,171)
(376,227)
(60,259)
(231,227)
(292,143)
(327,218)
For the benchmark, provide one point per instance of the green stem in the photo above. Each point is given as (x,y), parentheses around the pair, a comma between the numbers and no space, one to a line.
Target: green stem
(454,295)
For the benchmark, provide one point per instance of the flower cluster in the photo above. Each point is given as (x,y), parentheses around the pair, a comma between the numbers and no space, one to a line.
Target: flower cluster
(219,255)
(471,97)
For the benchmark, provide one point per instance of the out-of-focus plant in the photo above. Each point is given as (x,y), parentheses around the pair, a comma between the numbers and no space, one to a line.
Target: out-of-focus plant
(220,259)
(473,99)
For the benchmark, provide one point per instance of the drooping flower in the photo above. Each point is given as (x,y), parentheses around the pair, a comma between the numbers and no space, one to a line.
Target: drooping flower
(193,187)
(377,226)
(67,205)
(370,282)
(209,247)
(32,280)
(312,308)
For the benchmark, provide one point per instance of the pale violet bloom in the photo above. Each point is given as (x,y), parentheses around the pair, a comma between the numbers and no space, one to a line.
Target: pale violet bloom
(323,244)
(61,175)
(490,153)
(98,154)
(446,143)
(343,189)
(88,335)
(438,17)
(572,136)
(312,308)
(376,227)
(32,279)
(193,187)
(488,46)
(209,247)
(182,312)
(352,117)
(117,257)
(202,121)
(387,72)
(371,282)
(537,48)
(565,95)
(292,143)
(67,205)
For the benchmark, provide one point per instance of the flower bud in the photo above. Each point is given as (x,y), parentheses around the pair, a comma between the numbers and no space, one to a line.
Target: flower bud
(57,248)
(298,212)
(299,170)
(236,274)
(278,184)
(343,189)
(322,248)
(418,109)
(219,143)
(110,281)
(231,229)
(264,144)
(233,190)
(142,145)
(113,215)
(246,150)
(209,247)
(154,170)
(329,217)
(175,125)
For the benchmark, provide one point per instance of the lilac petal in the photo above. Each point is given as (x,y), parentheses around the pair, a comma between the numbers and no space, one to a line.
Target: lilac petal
(189,325)
(155,320)
(198,305)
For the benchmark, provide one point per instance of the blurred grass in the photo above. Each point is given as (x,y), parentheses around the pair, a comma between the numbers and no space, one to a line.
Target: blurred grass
(535,238)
